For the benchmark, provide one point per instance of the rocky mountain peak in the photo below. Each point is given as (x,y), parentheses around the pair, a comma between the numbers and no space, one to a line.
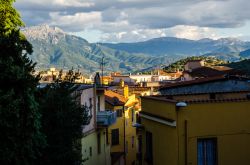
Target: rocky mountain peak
(44,32)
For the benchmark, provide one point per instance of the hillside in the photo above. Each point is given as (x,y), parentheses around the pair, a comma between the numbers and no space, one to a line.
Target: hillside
(243,65)
(169,46)
(53,47)
(179,65)
(245,54)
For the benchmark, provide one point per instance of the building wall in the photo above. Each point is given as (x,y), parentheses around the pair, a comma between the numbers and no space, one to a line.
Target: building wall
(193,65)
(90,140)
(130,139)
(159,108)
(141,78)
(118,125)
(227,121)
(125,122)
(165,146)
(100,93)
(117,79)
(86,95)
(221,96)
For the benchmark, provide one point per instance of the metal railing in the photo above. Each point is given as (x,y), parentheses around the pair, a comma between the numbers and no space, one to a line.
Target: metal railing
(106,118)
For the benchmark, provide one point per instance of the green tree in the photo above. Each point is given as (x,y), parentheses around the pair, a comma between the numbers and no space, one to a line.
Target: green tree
(20,136)
(62,120)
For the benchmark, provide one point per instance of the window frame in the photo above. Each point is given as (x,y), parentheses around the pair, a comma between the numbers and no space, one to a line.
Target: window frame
(204,142)
(115,137)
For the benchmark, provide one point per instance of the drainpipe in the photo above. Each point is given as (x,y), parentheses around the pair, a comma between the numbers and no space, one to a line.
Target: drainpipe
(178,107)
(186,142)
(95,115)
(124,137)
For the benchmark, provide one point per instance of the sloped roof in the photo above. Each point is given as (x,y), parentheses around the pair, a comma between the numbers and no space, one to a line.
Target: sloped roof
(166,99)
(213,71)
(205,72)
(192,82)
(114,98)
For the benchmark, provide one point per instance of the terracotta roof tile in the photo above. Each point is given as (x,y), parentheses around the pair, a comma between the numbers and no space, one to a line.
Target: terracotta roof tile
(114,98)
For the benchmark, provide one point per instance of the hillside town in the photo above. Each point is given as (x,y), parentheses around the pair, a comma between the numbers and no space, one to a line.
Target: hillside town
(124,82)
(194,115)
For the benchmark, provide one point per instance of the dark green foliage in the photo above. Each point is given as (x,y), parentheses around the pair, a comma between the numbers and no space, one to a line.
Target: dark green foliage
(243,65)
(71,76)
(9,17)
(20,136)
(179,65)
(62,120)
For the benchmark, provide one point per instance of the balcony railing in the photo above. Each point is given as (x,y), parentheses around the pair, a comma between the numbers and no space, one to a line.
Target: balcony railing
(106,118)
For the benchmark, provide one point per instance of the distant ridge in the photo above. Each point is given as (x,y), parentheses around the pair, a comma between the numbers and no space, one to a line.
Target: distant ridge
(54,47)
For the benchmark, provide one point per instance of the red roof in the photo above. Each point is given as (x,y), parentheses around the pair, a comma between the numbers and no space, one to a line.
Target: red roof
(114,98)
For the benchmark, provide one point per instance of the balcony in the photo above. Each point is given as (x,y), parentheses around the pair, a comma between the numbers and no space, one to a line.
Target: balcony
(106,118)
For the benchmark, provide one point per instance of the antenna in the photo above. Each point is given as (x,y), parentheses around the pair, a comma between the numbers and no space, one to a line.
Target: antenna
(102,63)
(102,68)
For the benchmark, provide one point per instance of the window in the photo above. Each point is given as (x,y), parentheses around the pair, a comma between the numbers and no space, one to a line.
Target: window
(138,119)
(149,147)
(90,151)
(212,96)
(207,151)
(119,112)
(98,103)
(90,103)
(98,143)
(133,113)
(126,147)
(107,136)
(133,141)
(115,136)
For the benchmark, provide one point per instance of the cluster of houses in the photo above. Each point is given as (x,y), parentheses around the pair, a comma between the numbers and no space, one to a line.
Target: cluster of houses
(196,117)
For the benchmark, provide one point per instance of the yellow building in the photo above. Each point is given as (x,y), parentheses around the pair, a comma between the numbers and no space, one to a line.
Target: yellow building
(122,134)
(203,130)
(95,150)
(95,146)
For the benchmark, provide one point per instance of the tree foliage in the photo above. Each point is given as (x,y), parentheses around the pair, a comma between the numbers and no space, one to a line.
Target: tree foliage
(62,120)
(20,136)
(179,65)
(243,65)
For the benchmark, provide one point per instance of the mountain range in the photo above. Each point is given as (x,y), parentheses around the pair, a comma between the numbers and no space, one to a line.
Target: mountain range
(54,47)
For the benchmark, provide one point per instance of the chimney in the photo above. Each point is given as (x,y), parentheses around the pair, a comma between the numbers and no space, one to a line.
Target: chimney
(121,83)
(126,91)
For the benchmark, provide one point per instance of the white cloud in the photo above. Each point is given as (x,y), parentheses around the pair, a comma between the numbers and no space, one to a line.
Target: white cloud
(128,20)
(75,3)
(75,22)
(133,36)
(194,32)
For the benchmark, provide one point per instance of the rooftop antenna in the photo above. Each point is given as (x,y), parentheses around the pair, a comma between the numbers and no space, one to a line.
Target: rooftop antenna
(102,65)
(102,68)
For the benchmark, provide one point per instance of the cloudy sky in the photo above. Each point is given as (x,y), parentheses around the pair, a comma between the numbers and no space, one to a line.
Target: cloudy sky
(139,20)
